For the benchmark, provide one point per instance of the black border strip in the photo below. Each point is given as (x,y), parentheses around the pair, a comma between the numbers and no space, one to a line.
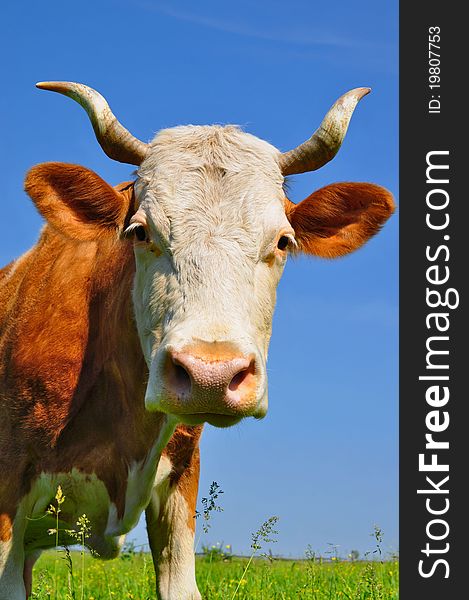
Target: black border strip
(434,358)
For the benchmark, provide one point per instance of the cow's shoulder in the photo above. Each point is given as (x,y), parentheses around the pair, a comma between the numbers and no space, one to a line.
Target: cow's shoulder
(68,307)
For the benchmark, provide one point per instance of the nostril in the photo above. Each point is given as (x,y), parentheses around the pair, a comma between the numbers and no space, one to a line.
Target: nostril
(179,379)
(238,380)
(181,375)
(243,378)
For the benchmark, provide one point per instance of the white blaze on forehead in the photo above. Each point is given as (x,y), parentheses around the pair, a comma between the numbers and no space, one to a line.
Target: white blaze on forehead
(227,147)
(213,180)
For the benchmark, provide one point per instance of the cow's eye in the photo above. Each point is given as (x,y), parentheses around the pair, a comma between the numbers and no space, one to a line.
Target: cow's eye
(136,231)
(283,242)
(140,233)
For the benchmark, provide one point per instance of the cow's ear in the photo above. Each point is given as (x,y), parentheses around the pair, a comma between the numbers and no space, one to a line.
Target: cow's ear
(77,202)
(339,218)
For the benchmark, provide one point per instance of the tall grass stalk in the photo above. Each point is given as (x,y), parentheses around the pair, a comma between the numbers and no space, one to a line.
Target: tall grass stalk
(70,579)
(81,534)
(264,534)
(84,528)
(210,505)
(55,511)
(369,583)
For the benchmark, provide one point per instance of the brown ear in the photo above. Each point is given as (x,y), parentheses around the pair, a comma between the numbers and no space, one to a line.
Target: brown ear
(339,218)
(77,202)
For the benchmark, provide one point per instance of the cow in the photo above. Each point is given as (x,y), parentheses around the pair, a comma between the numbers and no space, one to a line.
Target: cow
(143,312)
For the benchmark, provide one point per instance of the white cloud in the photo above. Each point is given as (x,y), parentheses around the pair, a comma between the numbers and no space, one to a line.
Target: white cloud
(297,35)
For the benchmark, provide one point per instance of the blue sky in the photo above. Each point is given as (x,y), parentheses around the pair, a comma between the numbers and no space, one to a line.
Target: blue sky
(325,458)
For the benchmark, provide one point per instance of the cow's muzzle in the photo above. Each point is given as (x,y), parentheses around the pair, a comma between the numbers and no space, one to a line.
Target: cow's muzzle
(208,381)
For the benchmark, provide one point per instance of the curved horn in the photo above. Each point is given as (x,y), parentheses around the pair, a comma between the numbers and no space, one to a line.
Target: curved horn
(325,142)
(118,143)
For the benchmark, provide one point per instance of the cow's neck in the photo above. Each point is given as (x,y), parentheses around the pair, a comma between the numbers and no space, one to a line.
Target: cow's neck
(76,356)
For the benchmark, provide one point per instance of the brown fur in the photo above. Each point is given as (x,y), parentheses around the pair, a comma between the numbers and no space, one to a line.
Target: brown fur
(339,218)
(72,374)
(5,527)
(183,451)
(76,201)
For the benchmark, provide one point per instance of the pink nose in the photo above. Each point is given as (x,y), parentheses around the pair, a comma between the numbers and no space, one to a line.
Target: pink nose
(211,378)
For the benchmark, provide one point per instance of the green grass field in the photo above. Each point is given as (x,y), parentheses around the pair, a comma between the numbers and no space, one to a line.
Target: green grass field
(131,576)
(76,575)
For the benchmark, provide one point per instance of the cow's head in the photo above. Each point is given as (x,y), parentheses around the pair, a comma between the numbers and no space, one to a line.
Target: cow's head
(212,230)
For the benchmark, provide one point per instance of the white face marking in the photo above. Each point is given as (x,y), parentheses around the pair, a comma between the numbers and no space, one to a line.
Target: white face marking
(212,200)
